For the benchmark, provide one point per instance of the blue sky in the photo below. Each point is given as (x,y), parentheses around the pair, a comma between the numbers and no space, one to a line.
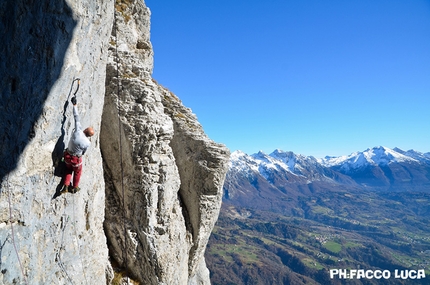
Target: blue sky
(313,77)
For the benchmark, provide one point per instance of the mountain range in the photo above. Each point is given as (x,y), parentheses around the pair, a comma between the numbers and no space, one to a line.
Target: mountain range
(378,169)
(288,218)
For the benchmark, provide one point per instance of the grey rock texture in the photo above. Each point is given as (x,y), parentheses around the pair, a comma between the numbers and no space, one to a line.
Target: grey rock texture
(199,162)
(46,238)
(152,180)
(165,175)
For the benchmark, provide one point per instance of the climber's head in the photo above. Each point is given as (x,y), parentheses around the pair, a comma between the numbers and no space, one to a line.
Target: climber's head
(89,132)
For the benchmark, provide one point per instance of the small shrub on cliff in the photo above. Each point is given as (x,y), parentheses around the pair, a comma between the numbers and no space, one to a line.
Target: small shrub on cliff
(122,6)
(118,279)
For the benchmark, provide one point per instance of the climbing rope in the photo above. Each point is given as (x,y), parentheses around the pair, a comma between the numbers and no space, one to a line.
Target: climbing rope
(13,232)
(73,201)
(58,254)
(77,240)
(124,252)
(18,149)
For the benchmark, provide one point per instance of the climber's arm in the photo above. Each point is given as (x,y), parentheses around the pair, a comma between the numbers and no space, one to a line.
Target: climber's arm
(78,126)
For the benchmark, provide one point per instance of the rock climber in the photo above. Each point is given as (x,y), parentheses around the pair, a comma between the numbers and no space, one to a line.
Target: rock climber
(77,147)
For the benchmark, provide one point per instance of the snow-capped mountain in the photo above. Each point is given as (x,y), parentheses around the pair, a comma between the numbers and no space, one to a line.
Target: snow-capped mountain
(285,175)
(307,166)
(377,156)
(310,167)
(279,162)
(422,157)
(264,164)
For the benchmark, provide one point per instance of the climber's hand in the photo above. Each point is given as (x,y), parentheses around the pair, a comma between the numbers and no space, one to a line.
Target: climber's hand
(74,100)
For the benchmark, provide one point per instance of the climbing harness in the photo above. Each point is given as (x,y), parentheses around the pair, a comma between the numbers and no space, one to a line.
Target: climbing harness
(73,160)
(124,251)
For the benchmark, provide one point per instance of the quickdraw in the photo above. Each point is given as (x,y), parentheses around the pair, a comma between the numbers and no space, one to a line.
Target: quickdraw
(77,88)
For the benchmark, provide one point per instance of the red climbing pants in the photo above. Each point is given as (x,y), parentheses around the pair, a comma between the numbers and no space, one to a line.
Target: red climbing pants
(73,166)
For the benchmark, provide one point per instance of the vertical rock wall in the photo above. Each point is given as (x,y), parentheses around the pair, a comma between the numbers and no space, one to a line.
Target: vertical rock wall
(46,238)
(202,166)
(152,180)
(165,176)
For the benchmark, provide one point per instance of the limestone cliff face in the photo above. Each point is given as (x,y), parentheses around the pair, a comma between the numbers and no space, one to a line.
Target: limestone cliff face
(165,176)
(44,45)
(152,180)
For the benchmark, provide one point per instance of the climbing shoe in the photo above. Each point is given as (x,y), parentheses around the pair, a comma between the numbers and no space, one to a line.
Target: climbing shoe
(75,189)
(65,189)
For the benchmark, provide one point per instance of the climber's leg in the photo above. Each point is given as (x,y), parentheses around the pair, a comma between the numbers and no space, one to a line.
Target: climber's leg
(69,169)
(68,176)
(77,174)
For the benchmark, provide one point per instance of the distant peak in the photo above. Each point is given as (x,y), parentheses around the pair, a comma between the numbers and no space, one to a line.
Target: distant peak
(399,150)
(380,149)
(237,154)
(279,152)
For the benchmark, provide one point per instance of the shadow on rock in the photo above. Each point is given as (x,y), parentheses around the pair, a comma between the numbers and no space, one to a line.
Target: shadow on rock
(35,36)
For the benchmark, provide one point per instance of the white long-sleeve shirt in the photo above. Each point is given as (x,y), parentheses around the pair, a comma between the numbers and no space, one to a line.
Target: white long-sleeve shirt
(79,142)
